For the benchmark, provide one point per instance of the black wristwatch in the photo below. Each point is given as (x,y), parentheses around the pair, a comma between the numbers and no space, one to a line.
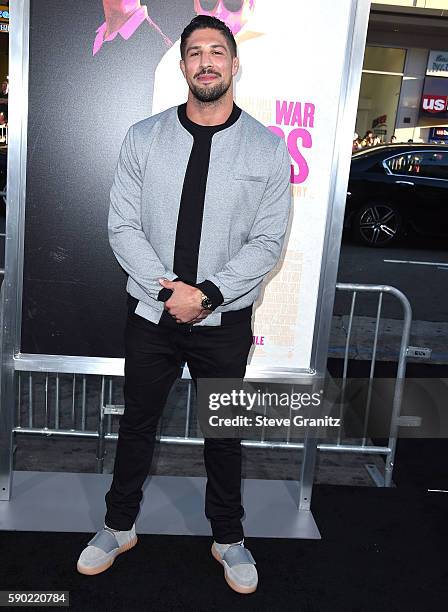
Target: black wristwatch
(206,302)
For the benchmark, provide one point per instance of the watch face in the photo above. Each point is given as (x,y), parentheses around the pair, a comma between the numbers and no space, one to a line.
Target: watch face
(206,303)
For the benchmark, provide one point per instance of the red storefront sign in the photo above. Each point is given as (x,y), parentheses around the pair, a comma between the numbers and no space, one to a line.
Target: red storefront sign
(434,103)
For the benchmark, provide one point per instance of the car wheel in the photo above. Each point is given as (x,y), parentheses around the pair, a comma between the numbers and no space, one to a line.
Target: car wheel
(377,224)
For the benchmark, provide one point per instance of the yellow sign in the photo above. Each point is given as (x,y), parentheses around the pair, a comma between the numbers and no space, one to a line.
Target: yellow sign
(4,13)
(4,18)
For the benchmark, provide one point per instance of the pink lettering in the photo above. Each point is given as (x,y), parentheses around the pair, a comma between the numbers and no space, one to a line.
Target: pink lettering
(307,142)
(283,112)
(297,115)
(308,115)
(302,115)
(277,130)
(292,113)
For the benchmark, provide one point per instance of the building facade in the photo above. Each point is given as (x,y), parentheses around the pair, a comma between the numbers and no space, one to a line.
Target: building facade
(404,88)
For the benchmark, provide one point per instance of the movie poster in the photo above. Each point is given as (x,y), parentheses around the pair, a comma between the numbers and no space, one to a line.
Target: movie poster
(290,80)
(88,82)
(85,91)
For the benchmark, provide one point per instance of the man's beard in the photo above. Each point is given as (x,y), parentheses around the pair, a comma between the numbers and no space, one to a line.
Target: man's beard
(210,94)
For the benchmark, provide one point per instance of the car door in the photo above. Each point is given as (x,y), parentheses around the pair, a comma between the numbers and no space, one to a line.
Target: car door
(421,178)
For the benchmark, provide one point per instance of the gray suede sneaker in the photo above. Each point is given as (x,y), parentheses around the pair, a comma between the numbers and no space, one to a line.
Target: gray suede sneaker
(239,566)
(103,548)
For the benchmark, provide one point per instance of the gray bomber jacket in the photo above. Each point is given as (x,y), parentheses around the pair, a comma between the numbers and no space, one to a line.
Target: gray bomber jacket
(246,209)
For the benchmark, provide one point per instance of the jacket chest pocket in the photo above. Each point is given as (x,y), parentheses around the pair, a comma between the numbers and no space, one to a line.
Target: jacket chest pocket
(249,189)
(233,202)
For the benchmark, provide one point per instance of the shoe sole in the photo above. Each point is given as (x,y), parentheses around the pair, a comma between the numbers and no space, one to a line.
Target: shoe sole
(233,585)
(91,571)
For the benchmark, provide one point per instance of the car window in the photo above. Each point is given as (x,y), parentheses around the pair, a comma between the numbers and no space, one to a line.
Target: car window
(435,165)
(427,164)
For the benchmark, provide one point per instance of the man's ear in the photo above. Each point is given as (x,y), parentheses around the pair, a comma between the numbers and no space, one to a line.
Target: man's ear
(182,67)
(235,66)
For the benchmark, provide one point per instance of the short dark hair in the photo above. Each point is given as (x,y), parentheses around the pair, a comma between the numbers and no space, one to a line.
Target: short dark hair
(201,22)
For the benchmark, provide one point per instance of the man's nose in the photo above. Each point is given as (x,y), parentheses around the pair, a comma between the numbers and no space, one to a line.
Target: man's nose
(206,60)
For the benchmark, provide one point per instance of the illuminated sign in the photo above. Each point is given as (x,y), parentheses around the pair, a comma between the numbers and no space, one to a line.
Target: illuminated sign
(434,104)
(438,135)
(379,121)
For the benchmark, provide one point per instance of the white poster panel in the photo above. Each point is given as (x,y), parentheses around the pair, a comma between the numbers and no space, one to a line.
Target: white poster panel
(292,55)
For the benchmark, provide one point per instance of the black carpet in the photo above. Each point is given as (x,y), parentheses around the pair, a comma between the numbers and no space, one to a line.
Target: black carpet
(382,550)
(419,462)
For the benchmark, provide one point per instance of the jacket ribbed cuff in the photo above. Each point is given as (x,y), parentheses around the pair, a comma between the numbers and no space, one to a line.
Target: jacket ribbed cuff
(165,293)
(212,292)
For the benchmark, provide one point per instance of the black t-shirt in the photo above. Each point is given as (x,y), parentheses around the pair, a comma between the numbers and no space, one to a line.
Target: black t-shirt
(189,220)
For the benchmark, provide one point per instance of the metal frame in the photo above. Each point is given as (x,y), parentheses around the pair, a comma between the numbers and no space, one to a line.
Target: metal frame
(11,295)
(105,408)
(396,418)
(13,360)
(339,179)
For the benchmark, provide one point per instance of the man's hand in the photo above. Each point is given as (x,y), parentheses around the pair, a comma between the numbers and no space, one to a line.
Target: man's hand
(185,303)
(203,315)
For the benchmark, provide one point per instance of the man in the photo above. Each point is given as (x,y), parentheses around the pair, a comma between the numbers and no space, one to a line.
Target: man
(124,17)
(356,146)
(369,139)
(199,210)
(236,14)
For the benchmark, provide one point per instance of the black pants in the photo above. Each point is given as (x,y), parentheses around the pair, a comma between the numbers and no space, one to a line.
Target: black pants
(153,357)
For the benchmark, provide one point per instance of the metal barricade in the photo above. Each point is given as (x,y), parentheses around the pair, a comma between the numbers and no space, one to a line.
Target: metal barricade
(77,405)
(396,418)
(2,234)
